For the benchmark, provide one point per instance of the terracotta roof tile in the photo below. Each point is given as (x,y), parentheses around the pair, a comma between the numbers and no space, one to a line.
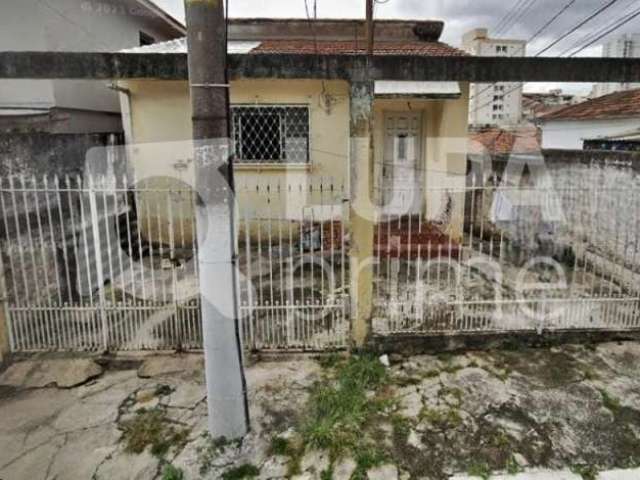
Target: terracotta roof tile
(615,105)
(350,47)
(496,141)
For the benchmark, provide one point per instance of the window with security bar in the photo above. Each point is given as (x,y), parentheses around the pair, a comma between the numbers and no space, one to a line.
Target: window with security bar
(271,133)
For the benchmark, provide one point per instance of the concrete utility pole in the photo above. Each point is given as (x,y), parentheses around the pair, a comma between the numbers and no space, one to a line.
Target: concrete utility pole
(207,58)
(370,27)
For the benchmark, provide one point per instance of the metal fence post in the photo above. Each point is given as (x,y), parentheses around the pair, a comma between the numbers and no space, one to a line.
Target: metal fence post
(95,226)
(6,339)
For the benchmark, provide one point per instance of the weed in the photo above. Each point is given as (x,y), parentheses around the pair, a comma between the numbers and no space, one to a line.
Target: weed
(431,373)
(587,472)
(327,474)
(152,428)
(280,446)
(211,449)
(244,471)
(479,469)
(401,426)
(407,381)
(172,473)
(454,392)
(367,457)
(330,360)
(339,409)
(441,419)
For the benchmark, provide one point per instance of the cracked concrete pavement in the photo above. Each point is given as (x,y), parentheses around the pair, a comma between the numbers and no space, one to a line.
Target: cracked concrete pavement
(569,409)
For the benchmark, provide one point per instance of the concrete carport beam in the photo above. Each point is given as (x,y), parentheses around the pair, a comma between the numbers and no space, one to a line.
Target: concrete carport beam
(170,66)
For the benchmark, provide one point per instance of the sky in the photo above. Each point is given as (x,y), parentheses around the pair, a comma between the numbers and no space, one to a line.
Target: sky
(501,18)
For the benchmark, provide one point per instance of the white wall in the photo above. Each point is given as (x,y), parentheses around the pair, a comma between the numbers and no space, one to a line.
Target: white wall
(570,134)
(71,25)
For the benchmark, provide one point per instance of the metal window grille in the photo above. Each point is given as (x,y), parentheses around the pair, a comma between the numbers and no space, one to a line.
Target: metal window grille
(271,133)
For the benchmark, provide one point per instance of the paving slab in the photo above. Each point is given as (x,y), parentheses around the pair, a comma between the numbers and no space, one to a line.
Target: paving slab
(62,373)
(632,474)
(163,365)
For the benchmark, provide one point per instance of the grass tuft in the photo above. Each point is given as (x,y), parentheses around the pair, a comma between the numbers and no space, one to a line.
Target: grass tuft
(587,472)
(339,407)
(172,473)
(244,471)
(480,469)
(152,428)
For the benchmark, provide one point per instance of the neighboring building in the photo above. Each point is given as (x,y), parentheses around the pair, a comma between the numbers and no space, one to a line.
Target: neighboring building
(626,141)
(521,140)
(603,117)
(297,132)
(73,106)
(535,105)
(494,103)
(622,46)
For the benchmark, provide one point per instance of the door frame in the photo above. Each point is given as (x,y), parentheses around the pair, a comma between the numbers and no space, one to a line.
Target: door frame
(420,145)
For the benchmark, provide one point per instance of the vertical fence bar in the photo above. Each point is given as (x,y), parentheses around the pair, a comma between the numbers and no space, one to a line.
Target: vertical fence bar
(98,258)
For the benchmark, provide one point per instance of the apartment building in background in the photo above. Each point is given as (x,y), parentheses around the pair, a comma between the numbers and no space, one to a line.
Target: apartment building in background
(494,103)
(622,46)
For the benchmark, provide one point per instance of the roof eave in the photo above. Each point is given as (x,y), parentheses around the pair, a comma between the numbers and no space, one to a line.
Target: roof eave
(163,14)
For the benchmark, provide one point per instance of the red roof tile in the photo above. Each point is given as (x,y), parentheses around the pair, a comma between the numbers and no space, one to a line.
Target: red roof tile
(615,105)
(496,141)
(350,47)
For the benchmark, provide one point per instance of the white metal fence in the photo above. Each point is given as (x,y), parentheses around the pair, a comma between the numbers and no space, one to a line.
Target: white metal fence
(111,263)
(497,257)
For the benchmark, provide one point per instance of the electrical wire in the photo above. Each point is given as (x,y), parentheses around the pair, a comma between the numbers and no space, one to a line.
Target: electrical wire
(514,21)
(551,45)
(553,19)
(586,38)
(579,25)
(503,21)
(623,22)
(534,36)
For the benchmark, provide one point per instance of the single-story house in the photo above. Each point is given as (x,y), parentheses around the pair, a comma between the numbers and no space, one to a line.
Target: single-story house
(609,115)
(297,132)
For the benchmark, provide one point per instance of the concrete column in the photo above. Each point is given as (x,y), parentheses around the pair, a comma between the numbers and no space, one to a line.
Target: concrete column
(362,211)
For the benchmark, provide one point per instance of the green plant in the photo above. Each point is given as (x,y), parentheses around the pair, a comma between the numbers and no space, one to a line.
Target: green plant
(280,446)
(242,472)
(172,473)
(327,474)
(401,426)
(479,469)
(210,449)
(367,457)
(338,408)
(441,419)
(587,472)
(152,428)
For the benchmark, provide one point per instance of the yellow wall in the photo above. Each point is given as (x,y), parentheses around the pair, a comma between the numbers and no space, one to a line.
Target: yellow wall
(161,130)
(443,150)
(161,112)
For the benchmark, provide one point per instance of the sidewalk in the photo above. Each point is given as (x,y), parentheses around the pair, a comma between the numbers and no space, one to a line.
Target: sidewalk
(561,413)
